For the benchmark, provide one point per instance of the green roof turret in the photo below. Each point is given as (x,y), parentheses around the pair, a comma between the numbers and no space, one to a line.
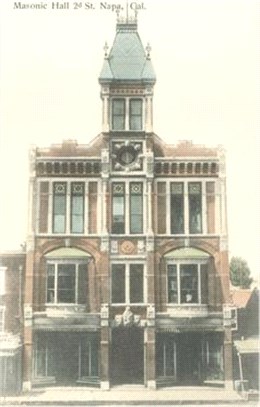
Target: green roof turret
(127,60)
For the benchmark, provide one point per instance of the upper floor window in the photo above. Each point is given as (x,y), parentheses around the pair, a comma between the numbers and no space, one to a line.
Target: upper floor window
(187,283)
(128,283)
(135,114)
(127,207)
(67,207)
(67,276)
(66,282)
(127,114)
(190,206)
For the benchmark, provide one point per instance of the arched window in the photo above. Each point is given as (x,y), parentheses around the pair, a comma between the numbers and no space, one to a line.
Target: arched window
(187,276)
(67,276)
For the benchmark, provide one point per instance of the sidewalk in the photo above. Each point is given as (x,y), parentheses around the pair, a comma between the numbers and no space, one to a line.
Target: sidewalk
(127,395)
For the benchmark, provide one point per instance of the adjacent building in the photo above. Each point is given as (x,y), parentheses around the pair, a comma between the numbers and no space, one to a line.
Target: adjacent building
(11,322)
(127,277)
(246,339)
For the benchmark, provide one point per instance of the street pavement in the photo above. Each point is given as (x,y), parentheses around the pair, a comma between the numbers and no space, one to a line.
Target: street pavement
(128,395)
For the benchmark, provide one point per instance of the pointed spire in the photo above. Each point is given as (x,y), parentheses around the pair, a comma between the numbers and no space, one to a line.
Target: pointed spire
(127,59)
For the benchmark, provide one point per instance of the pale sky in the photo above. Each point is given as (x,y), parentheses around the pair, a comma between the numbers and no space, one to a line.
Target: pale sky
(206,57)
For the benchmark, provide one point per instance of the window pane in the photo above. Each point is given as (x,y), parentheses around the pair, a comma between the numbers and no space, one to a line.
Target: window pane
(136,283)
(88,356)
(161,207)
(77,207)
(118,114)
(195,215)
(59,207)
(189,283)
(172,284)
(177,208)
(210,199)
(135,114)
(50,283)
(165,357)
(82,284)
(44,207)
(118,209)
(214,357)
(136,208)
(92,207)
(66,283)
(204,283)
(44,358)
(118,283)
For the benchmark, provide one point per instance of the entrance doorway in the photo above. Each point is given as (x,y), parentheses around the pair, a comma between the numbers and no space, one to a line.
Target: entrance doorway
(189,359)
(127,356)
(66,358)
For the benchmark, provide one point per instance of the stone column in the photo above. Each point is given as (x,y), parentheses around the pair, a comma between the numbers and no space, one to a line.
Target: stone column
(104,348)
(228,358)
(149,338)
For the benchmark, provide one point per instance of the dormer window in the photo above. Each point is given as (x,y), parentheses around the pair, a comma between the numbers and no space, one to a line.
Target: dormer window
(127,114)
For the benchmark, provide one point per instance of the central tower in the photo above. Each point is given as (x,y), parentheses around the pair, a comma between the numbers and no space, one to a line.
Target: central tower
(127,79)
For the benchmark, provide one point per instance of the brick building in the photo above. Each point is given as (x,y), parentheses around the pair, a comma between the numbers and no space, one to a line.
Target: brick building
(127,265)
(11,321)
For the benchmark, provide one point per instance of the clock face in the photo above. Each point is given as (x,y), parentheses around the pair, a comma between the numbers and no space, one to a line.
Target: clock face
(126,155)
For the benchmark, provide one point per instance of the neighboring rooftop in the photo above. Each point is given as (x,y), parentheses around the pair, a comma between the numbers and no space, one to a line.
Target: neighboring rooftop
(240,296)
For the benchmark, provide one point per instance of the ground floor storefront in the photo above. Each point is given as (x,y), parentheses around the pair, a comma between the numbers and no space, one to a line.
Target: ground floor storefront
(10,364)
(174,359)
(65,358)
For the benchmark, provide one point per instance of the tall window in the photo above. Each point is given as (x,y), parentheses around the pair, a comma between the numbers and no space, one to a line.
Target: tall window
(127,207)
(136,207)
(68,207)
(186,207)
(187,283)
(44,358)
(135,117)
(118,208)
(177,208)
(118,114)
(59,207)
(127,114)
(127,283)
(195,210)
(77,207)
(88,357)
(66,283)
(165,356)
(213,357)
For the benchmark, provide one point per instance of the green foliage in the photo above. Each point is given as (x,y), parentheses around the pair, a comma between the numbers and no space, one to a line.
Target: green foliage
(240,273)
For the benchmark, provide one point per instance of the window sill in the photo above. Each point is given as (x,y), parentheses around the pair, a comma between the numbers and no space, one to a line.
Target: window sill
(56,310)
(136,304)
(187,310)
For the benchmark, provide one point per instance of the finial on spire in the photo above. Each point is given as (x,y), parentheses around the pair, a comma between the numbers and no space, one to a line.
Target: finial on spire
(106,48)
(127,11)
(148,50)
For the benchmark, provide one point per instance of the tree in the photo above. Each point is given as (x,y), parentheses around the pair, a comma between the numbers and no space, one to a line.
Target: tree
(240,273)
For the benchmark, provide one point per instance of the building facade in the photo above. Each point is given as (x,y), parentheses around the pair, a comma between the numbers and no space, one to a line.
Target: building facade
(127,268)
